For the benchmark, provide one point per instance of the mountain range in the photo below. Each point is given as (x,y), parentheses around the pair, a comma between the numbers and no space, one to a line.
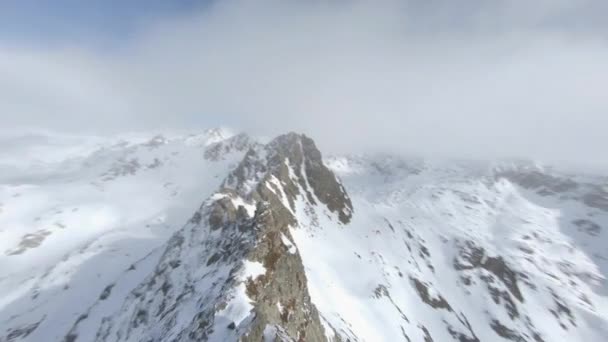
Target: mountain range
(226,237)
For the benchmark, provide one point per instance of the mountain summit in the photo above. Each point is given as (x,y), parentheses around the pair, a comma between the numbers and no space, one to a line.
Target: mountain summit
(234,272)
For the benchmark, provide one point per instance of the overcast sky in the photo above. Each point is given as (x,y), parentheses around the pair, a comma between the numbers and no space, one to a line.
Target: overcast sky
(472,78)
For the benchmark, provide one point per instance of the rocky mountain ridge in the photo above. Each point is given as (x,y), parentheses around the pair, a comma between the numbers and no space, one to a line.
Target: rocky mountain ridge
(240,243)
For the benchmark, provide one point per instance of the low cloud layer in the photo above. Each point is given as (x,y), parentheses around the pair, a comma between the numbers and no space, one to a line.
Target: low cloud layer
(476,79)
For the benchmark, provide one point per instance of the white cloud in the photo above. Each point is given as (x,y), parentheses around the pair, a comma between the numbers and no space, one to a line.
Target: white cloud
(475,80)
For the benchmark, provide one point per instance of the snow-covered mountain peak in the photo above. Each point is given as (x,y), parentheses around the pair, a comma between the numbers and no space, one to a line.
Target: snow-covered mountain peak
(240,142)
(237,252)
(290,165)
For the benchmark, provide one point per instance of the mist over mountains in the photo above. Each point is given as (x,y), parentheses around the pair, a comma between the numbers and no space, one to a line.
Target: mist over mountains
(474,80)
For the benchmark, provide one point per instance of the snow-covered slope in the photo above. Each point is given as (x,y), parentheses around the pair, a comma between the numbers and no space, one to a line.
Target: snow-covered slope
(113,244)
(463,252)
(78,215)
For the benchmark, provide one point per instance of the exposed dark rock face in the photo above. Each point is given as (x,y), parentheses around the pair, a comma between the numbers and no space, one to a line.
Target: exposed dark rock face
(296,163)
(324,182)
(562,312)
(427,334)
(461,337)
(423,292)
(295,160)
(29,241)
(247,221)
(283,286)
(22,332)
(504,332)
(512,334)
(224,213)
(472,257)
(381,291)
(106,292)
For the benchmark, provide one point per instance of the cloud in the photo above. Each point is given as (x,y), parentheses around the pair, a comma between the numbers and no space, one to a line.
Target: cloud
(474,79)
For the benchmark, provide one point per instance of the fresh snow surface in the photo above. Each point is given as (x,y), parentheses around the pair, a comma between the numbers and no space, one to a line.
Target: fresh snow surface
(290,247)
(239,307)
(411,220)
(252,269)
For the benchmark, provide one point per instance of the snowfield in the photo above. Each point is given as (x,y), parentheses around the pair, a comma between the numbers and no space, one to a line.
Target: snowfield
(393,271)
(99,236)
(79,214)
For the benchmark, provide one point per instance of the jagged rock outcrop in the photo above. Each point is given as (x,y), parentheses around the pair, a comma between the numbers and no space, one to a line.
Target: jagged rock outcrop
(233,271)
(296,163)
